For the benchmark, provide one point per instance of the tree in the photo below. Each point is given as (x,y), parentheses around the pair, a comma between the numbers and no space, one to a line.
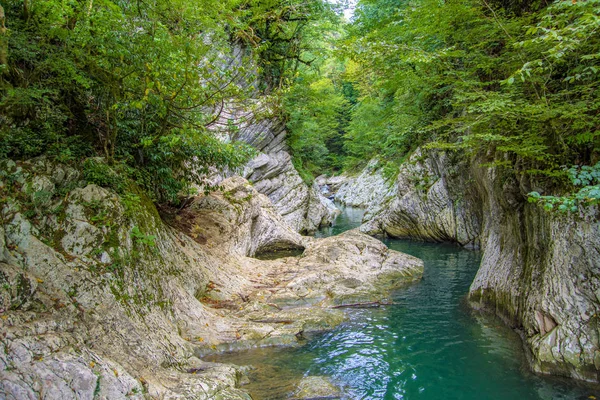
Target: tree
(3,39)
(137,82)
(281,32)
(512,78)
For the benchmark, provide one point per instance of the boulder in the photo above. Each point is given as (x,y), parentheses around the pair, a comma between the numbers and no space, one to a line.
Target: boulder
(316,387)
(241,220)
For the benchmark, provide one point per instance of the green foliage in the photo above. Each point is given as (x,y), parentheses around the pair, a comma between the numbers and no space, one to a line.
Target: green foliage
(139,237)
(315,124)
(586,178)
(298,61)
(165,170)
(96,171)
(132,204)
(512,80)
(515,82)
(284,35)
(137,83)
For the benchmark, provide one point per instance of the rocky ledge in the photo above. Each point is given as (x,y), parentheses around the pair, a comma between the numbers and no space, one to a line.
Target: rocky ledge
(100,298)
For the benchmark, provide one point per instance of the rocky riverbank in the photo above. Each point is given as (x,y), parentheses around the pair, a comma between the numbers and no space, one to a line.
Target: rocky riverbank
(101,298)
(539,270)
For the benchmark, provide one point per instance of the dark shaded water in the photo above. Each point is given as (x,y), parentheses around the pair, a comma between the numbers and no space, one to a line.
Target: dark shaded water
(427,345)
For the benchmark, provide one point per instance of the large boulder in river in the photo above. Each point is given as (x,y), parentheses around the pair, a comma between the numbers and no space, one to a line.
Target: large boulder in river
(351,267)
(346,269)
(242,220)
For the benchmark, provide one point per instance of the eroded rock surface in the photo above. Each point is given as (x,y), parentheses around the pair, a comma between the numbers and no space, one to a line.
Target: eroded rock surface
(316,387)
(429,204)
(302,206)
(345,269)
(539,270)
(242,221)
(369,189)
(99,298)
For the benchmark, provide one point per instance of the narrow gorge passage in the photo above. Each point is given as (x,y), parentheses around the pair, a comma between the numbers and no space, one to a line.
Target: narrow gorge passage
(427,345)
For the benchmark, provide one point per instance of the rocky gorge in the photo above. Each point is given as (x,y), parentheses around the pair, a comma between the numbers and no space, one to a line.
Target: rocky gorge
(302,200)
(102,297)
(539,270)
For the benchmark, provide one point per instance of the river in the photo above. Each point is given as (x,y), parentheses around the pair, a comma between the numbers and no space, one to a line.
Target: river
(427,345)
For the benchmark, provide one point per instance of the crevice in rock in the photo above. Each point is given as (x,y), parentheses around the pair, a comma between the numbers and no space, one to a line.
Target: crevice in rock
(275,250)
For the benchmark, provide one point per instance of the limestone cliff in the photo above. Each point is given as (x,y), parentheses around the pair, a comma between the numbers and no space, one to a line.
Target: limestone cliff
(367,189)
(302,206)
(427,203)
(539,270)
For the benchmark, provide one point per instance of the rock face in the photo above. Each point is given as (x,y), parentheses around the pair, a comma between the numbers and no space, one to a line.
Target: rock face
(368,189)
(346,269)
(99,298)
(330,185)
(242,221)
(539,271)
(428,204)
(303,207)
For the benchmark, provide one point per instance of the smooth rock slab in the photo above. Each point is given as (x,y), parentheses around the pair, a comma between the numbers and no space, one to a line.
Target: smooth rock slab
(316,387)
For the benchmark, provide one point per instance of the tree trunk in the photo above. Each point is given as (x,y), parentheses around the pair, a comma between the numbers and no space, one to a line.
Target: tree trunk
(26,9)
(3,39)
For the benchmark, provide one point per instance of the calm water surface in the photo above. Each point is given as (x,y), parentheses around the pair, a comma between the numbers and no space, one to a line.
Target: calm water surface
(427,345)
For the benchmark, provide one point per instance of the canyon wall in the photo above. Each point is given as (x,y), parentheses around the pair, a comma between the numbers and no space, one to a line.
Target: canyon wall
(272,172)
(540,270)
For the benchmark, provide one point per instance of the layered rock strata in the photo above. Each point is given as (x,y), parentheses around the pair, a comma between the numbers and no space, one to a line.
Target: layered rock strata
(539,270)
(370,188)
(428,204)
(302,206)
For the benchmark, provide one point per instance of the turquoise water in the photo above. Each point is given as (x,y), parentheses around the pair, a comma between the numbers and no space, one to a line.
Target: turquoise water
(427,345)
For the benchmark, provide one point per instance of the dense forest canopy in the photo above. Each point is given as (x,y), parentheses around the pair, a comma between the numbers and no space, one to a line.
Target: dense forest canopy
(141,82)
(516,81)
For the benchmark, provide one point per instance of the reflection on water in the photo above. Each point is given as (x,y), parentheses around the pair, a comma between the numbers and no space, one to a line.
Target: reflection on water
(427,345)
